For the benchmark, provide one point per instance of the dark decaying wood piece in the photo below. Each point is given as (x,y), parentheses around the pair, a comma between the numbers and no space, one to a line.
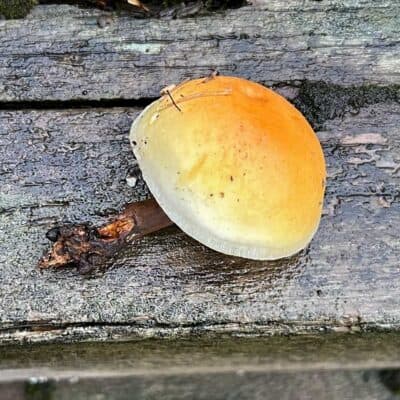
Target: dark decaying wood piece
(87,247)
(61,164)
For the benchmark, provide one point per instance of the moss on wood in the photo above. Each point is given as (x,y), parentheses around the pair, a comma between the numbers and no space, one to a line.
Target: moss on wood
(16,8)
(321,101)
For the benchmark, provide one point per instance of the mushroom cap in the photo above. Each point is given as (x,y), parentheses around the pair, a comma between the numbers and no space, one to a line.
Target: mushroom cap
(234,165)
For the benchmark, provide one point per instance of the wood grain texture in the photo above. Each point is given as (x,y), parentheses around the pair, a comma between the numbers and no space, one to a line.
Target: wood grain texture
(303,367)
(206,354)
(63,164)
(239,384)
(71,165)
(63,53)
(236,385)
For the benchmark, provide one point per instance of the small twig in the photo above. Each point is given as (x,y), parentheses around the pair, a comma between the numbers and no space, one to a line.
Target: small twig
(173,101)
(167,91)
(89,248)
(223,92)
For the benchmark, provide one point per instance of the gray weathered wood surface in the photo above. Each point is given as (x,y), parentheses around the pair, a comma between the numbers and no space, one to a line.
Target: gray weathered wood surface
(61,52)
(240,384)
(71,165)
(345,367)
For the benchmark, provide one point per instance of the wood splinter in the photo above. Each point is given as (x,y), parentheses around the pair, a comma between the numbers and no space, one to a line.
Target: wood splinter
(89,248)
(167,92)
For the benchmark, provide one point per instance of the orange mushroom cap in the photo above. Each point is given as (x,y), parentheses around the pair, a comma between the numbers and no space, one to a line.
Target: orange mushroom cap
(234,165)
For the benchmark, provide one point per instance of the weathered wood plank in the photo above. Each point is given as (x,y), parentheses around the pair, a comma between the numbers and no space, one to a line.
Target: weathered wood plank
(61,52)
(236,385)
(222,353)
(344,367)
(72,164)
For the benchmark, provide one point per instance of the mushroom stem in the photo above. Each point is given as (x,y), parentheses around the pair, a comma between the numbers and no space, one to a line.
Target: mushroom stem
(88,248)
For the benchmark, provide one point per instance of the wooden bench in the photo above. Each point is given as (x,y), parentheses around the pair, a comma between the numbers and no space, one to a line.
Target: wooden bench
(331,367)
(71,85)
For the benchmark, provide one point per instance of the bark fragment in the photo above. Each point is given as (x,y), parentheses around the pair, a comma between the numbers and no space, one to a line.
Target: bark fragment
(88,248)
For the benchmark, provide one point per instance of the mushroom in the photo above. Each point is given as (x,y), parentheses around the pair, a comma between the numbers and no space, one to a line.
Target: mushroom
(230,162)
